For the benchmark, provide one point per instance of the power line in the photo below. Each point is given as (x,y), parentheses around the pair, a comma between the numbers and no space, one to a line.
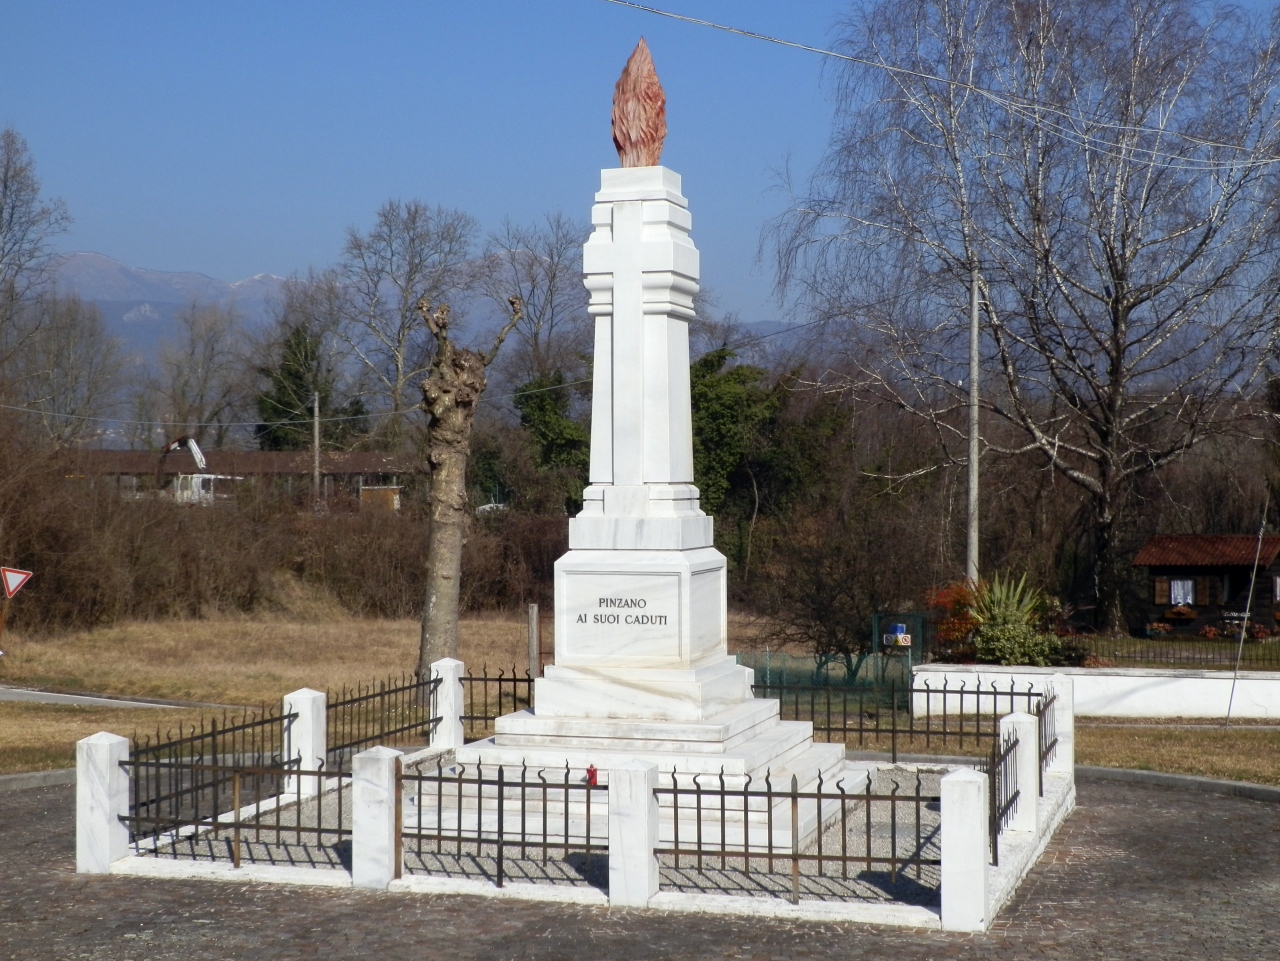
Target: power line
(1011,102)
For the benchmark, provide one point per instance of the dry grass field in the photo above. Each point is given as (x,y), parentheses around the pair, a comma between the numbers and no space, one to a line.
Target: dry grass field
(231,662)
(242,662)
(1234,753)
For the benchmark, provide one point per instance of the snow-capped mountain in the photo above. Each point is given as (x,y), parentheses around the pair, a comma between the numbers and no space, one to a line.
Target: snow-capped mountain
(140,305)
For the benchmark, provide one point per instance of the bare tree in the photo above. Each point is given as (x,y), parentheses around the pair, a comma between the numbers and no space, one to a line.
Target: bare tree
(202,382)
(412,252)
(27,224)
(1109,173)
(68,368)
(452,389)
(542,265)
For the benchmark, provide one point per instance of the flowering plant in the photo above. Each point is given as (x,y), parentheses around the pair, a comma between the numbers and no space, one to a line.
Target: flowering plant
(955,602)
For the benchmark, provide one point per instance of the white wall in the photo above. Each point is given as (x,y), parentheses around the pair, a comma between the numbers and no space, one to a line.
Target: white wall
(1126,692)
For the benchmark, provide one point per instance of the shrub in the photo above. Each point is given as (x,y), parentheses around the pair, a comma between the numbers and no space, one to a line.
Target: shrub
(1014,643)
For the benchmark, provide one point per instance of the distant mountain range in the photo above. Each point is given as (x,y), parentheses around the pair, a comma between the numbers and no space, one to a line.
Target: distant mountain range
(141,306)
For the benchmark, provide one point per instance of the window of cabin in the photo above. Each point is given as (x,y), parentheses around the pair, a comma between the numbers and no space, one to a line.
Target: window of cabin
(1182,590)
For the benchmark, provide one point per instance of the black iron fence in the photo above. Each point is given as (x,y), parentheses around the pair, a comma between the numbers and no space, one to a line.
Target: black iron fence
(234,812)
(481,821)
(1002,789)
(169,780)
(1047,731)
(826,831)
(486,697)
(1178,651)
(919,718)
(235,770)
(399,712)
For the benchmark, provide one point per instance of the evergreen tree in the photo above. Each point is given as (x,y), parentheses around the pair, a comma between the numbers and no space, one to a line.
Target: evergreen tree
(286,406)
(562,445)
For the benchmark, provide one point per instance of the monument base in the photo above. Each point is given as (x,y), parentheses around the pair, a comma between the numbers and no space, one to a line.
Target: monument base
(744,741)
(697,693)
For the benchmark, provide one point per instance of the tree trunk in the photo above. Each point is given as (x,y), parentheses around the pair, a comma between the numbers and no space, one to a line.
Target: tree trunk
(1109,613)
(454,384)
(449,394)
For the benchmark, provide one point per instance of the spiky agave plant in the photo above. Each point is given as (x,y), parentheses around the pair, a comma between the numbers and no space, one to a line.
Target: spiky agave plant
(1002,600)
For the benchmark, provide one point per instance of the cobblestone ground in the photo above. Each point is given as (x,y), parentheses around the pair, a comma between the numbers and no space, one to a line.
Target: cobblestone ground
(1137,872)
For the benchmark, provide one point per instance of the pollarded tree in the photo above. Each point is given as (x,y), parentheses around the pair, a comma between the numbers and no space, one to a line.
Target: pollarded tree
(453,387)
(1108,174)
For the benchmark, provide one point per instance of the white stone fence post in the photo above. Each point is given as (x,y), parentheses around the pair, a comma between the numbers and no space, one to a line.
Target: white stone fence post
(966,850)
(375,817)
(1026,766)
(305,738)
(633,834)
(102,797)
(449,702)
(1064,724)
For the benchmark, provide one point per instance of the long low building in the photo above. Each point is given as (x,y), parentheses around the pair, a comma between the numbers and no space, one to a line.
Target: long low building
(372,478)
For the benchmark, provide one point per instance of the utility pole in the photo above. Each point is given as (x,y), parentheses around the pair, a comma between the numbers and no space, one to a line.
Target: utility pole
(315,448)
(971,550)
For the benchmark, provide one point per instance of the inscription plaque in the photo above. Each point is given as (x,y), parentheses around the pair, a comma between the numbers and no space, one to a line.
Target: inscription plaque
(621,617)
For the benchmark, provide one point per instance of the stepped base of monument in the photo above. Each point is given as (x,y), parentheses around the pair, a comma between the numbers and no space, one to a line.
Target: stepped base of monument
(699,693)
(744,741)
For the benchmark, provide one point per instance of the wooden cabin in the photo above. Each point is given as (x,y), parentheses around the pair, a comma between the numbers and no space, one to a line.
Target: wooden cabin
(1199,583)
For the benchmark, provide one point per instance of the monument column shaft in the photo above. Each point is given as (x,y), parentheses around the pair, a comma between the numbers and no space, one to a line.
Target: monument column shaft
(642,272)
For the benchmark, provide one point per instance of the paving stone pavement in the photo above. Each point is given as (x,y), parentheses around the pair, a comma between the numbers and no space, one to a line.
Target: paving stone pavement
(1137,872)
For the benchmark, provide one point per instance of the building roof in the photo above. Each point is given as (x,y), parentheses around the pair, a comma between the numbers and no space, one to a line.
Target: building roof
(235,463)
(1206,550)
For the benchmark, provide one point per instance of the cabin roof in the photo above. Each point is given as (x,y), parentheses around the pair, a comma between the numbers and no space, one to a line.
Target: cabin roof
(1207,550)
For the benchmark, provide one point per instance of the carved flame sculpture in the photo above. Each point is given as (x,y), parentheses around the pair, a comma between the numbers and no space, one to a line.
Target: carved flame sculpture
(639,111)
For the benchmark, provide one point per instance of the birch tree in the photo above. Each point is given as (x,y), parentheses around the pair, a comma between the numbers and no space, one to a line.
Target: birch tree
(1109,173)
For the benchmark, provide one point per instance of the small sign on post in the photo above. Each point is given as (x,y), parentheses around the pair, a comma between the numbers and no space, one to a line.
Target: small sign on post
(13,580)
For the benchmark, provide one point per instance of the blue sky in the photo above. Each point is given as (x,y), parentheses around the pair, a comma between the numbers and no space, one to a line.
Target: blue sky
(237,138)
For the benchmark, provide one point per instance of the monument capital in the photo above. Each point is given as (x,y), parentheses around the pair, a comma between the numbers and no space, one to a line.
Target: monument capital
(639,111)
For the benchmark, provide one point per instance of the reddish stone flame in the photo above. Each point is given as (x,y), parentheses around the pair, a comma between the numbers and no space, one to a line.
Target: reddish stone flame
(639,111)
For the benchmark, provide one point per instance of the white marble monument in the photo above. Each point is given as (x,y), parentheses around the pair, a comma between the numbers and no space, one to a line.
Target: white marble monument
(641,667)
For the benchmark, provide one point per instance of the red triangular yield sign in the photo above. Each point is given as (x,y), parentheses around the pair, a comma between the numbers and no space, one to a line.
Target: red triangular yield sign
(13,580)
